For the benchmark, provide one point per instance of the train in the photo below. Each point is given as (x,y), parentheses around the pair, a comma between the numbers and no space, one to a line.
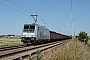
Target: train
(35,33)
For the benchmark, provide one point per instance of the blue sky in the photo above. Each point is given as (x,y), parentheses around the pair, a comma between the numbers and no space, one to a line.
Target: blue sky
(57,19)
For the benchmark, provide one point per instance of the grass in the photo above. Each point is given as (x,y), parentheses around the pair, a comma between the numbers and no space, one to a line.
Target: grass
(7,42)
(71,51)
(88,46)
(89,41)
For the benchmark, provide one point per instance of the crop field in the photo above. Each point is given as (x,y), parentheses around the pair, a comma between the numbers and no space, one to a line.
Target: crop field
(6,42)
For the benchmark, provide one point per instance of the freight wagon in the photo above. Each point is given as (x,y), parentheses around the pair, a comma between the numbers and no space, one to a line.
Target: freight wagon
(57,36)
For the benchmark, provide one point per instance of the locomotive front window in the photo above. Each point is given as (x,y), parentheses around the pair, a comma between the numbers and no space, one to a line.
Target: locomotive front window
(26,27)
(29,28)
(32,28)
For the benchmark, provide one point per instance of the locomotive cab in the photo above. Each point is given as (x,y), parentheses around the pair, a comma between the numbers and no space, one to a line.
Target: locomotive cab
(34,33)
(28,33)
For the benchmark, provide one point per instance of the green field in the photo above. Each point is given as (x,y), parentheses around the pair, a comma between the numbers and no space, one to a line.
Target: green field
(5,42)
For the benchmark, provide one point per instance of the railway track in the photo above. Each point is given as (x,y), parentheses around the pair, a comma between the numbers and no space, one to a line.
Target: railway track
(21,52)
(13,47)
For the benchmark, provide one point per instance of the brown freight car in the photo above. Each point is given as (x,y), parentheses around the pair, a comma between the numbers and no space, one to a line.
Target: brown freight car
(57,36)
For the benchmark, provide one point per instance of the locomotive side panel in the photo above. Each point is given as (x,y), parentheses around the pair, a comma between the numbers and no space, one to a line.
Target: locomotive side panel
(44,33)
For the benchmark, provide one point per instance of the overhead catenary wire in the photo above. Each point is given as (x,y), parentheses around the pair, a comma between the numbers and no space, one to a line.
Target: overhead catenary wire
(27,8)
(19,6)
(47,22)
(17,10)
(24,6)
(32,12)
(71,9)
(73,29)
(50,8)
(14,9)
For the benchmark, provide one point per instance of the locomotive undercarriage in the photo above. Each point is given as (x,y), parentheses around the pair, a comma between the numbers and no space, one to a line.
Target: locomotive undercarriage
(33,40)
(28,40)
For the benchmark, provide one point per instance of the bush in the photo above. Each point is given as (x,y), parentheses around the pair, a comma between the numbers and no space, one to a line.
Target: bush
(83,37)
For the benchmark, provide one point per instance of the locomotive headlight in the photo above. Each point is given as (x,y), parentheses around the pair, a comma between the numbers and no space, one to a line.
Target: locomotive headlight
(24,35)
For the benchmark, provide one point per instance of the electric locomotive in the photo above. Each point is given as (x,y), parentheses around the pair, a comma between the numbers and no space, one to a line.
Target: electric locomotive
(34,33)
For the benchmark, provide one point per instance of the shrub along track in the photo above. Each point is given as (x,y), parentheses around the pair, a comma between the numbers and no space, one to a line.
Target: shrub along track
(21,52)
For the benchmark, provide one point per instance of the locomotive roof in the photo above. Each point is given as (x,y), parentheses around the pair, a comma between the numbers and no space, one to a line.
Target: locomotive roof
(33,24)
(29,24)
